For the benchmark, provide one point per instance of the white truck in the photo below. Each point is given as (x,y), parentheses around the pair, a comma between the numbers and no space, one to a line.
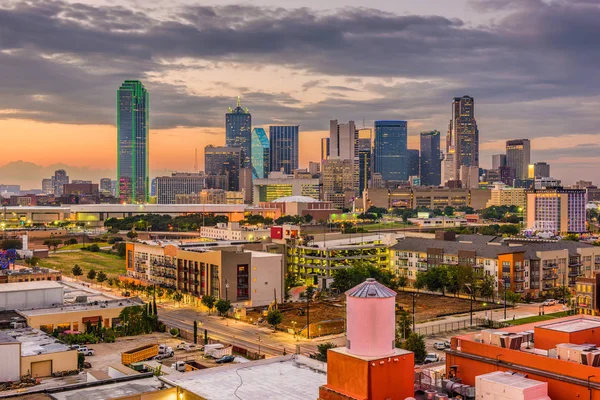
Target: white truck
(86,350)
(217,350)
(165,350)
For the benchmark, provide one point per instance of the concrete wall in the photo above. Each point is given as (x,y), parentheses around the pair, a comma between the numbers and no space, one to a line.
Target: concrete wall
(61,361)
(10,368)
(266,275)
(31,298)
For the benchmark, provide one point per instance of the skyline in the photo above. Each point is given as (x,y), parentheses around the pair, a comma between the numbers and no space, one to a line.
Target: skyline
(520,73)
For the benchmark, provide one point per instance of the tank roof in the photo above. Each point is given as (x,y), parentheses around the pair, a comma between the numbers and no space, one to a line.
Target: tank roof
(371,289)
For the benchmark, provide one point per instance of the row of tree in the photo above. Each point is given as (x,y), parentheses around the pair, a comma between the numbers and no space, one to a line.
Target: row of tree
(155,222)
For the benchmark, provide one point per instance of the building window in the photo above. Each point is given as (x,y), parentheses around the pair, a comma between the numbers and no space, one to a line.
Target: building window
(242,282)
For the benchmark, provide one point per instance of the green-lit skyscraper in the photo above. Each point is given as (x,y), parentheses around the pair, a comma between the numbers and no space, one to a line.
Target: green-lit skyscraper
(133,126)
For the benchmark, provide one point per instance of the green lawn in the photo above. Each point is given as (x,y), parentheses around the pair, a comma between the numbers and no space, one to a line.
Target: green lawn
(80,245)
(537,318)
(111,264)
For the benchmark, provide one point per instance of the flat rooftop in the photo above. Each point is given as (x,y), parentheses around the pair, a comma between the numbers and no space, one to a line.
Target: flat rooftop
(80,307)
(112,390)
(25,286)
(512,380)
(573,325)
(33,341)
(288,377)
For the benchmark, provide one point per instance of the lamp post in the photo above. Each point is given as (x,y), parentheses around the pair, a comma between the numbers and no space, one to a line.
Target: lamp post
(226,290)
(506,283)
(471,295)
(294,328)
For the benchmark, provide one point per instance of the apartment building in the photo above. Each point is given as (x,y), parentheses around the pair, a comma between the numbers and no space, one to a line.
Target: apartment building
(504,195)
(246,278)
(233,231)
(526,266)
(557,210)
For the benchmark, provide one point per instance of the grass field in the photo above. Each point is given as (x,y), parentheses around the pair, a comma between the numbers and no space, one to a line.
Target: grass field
(80,245)
(111,264)
(538,318)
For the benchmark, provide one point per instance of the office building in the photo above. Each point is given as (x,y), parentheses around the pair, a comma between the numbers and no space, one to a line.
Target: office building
(210,196)
(430,162)
(469,177)
(390,157)
(106,186)
(581,184)
(168,187)
(245,184)
(325,142)
(462,141)
(260,153)
(544,183)
(413,162)
(314,168)
(518,156)
(279,185)
(284,148)
(238,132)
(538,170)
(48,185)
(556,210)
(498,160)
(223,161)
(507,175)
(364,173)
(60,179)
(338,182)
(80,193)
(133,127)
(217,181)
(343,140)
(503,195)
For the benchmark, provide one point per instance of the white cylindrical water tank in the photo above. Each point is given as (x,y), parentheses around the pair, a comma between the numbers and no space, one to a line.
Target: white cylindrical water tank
(371,319)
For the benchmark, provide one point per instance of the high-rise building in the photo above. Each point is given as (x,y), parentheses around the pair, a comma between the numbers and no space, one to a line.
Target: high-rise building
(431,163)
(284,148)
(390,150)
(314,168)
(325,142)
(260,153)
(60,179)
(338,181)
(364,159)
(462,143)
(498,160)
(238,131)
(556,210)
(48,185)
(133,126)
(507,175)
(223,161)
(106,185)
(413,162)
(538,170)
(518,156)
(168,187)
(343,142)
(245,185)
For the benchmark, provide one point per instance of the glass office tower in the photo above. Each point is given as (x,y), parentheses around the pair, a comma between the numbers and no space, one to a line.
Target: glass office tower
(238,130)
(431,160)
(260,154)
(390,150)
(284,148)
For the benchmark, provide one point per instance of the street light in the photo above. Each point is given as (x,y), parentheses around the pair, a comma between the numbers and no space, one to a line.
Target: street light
(506,282)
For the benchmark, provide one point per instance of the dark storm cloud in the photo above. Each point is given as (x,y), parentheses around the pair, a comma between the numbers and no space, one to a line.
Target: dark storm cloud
(63,62)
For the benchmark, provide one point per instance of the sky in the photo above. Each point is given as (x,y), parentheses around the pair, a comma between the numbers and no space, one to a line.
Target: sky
(531,65)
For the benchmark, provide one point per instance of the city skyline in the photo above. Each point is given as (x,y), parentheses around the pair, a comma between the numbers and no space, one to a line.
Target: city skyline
(43,89)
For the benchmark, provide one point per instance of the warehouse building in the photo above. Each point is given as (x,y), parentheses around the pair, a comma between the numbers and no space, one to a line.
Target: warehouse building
(21,295)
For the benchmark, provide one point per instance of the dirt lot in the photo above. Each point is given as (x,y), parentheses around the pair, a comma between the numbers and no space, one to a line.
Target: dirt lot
(427,307)
(110,353)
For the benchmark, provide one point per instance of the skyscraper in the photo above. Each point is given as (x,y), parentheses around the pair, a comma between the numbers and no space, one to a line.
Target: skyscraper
(413,162)
(60,179)
(133,126)
(518,156)
(223,161)
(431,163)
(260,153)
(463,141)
(364,163)
(106,185)
(498,160)
(324,148)
(168,187)
(238,131)
(390,151)
(284,148)
(538,170)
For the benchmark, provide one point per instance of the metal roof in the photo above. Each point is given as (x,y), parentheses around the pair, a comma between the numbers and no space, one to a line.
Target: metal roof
(371,289)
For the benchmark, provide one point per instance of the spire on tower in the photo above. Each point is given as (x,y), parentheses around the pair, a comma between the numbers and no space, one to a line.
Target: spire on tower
(239,101)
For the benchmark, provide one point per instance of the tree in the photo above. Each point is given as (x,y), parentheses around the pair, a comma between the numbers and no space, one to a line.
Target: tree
(52,243)
(416,344)
(33,261)
(101,277)
(91,275)
(7,244)
(402,281)
(222,306)
(347,278)
(486,287)
(178,297)
(209,301)
(448,211)
(274,317)
(571,237)
(77,271)
(322,349)
(308,218)
(80,360)
(94,248)
(121,249)
(403,329)
(132,235)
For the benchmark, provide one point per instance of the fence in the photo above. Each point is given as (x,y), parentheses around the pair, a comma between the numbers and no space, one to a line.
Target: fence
(445,327)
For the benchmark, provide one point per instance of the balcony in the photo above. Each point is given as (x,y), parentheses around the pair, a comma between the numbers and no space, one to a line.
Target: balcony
(519,269)
(422,269)
(550,266)
(574,273)
(549,277)
(519,279)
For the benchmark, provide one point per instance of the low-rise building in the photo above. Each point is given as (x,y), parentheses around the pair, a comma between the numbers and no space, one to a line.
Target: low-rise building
(223,272)
(302,206)
(279,185)
(504,195)
(27,351)
(439,222)
(587,300)
(34,274)
(19,295)
(429,197)
(233,231)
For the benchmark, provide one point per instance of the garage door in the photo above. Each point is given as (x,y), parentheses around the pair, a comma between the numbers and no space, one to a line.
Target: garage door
(41,369)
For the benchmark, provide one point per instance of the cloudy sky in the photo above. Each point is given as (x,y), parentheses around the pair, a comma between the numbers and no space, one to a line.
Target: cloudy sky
(532,66)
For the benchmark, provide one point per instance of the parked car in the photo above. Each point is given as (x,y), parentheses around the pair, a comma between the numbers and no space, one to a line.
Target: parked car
(549,302)
(439,346)
(86,351)
(447,344)
(75,347)
(431,358)
(225,359)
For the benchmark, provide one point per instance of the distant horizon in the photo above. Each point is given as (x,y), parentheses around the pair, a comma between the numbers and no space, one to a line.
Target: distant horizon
(528,66)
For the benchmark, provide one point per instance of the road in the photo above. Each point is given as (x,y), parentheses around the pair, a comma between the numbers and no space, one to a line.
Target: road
(239,333)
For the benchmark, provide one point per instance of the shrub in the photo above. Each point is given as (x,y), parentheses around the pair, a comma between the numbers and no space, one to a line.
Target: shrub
(174,332)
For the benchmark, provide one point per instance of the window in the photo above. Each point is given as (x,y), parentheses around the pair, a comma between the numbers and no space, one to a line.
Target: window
(242,282)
